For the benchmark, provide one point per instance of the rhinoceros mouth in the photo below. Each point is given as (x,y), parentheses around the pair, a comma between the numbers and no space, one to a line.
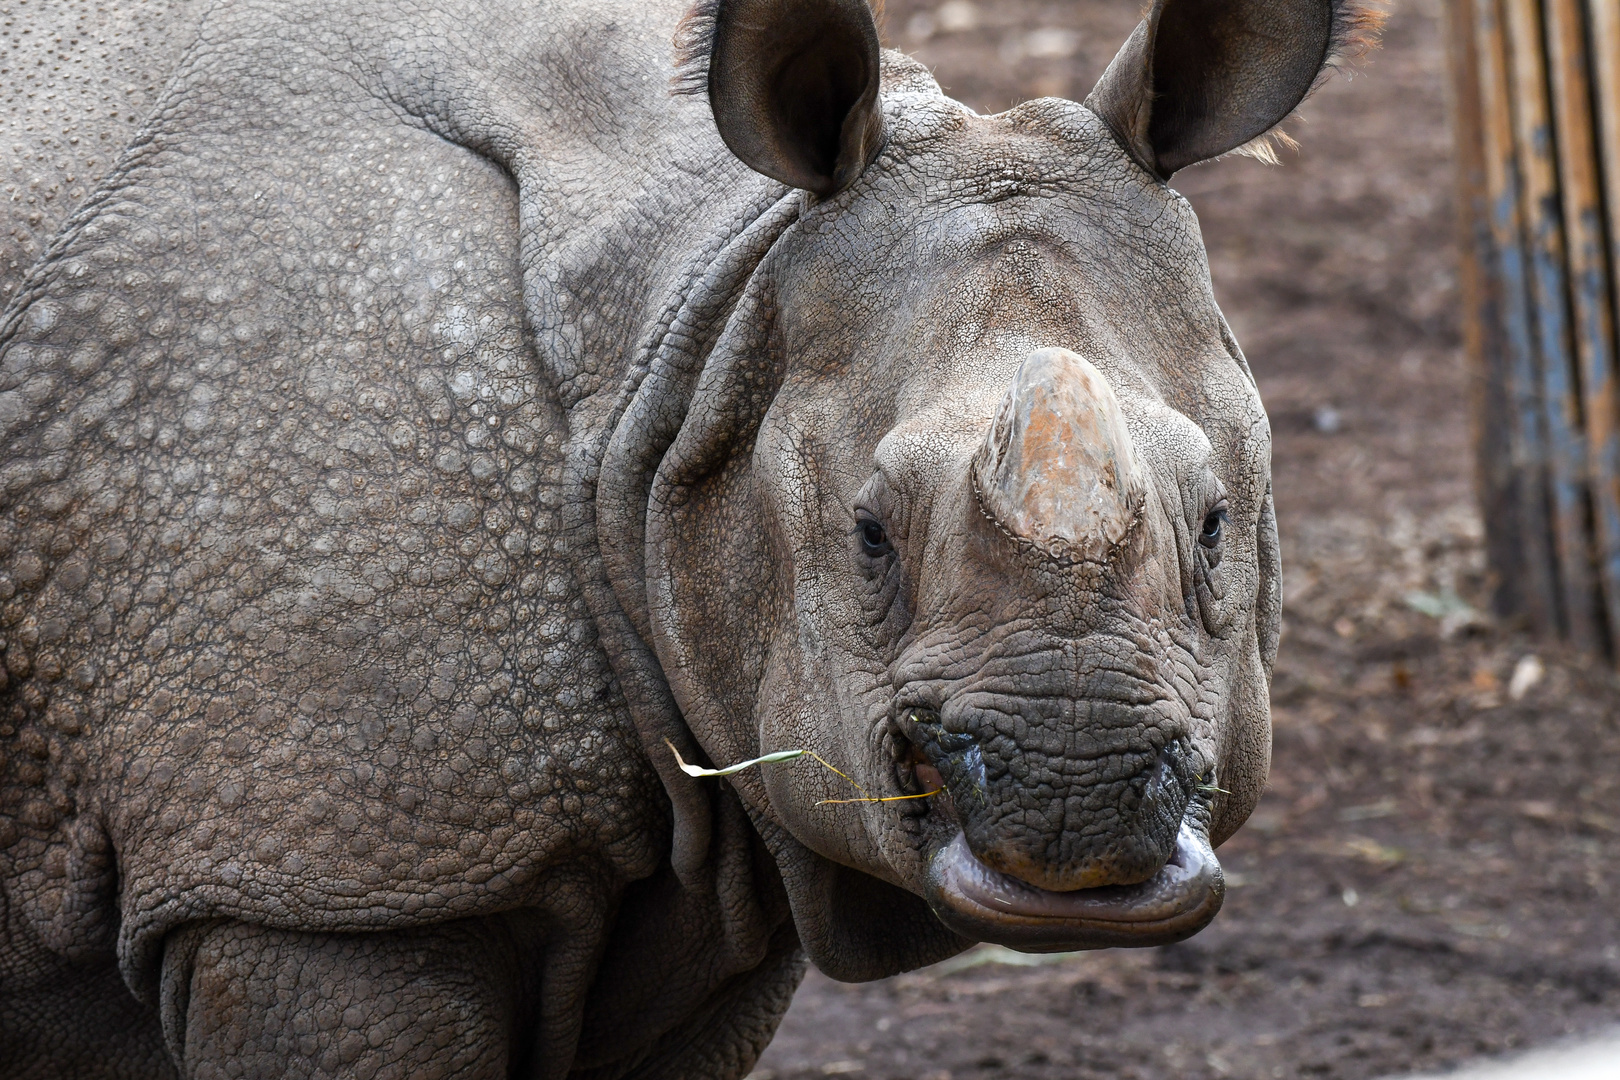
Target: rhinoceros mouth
(987,905)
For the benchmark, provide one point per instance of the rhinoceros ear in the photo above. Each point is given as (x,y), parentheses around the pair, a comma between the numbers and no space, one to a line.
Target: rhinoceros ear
(1202,78)
(793,85)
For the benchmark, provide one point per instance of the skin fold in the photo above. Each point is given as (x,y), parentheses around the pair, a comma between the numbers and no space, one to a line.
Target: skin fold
(428,414)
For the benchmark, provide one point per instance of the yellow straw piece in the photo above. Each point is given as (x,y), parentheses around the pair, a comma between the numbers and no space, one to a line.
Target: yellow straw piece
(886,798)
(823,761)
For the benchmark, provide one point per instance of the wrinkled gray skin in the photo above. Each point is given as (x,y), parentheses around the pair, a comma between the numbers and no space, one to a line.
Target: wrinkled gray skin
(428,416)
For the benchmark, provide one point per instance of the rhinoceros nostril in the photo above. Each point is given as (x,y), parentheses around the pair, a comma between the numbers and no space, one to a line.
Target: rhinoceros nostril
(928,758)
(914,775)
(1162,778)
(928,777)
(909,761)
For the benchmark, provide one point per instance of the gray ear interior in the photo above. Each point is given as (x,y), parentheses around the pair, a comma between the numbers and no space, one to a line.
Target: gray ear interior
(1200,78)
(794,88)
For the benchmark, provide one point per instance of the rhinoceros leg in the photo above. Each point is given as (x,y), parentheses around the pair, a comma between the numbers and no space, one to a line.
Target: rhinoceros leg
(44,1034)
(248,1001)
(727,1034)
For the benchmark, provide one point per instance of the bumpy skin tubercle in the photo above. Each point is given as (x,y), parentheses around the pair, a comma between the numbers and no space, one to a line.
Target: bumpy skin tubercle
(426,422)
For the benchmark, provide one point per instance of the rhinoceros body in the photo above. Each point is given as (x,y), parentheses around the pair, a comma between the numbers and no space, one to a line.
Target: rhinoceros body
(427,425)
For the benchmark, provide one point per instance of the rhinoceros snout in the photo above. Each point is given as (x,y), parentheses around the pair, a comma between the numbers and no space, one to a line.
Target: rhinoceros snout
(1028,859)
(1085,836)
(1062,823)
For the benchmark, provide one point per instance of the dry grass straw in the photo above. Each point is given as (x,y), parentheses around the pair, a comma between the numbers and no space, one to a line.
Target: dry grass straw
(789,755)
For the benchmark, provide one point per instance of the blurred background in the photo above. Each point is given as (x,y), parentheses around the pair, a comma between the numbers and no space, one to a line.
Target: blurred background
(1434,872)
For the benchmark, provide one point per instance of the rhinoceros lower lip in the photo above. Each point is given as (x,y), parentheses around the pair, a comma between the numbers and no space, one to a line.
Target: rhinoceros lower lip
(987,905)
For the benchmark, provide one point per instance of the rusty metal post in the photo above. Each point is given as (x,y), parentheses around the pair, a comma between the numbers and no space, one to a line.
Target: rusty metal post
(1581,185)
(1536,111)
(1549,301)
(1533,572)
(1491,412)
(1603,22)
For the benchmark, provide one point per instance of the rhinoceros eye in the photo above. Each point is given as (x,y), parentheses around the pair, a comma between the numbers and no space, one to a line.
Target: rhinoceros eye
(1214,527)
(874,541)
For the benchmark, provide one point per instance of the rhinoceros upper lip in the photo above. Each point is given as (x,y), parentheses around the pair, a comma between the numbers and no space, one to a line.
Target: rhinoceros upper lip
(987,905)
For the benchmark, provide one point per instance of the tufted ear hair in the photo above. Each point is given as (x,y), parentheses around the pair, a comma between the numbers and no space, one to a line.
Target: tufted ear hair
(1202,78)
(793,85)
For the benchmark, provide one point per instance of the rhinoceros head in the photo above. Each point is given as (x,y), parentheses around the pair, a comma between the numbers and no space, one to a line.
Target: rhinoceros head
(972,498)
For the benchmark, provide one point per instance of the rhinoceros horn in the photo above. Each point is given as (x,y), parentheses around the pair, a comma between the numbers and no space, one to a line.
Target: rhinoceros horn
(1056,468)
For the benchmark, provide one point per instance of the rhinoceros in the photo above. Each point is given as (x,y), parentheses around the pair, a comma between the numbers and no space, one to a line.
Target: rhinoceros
(442,425)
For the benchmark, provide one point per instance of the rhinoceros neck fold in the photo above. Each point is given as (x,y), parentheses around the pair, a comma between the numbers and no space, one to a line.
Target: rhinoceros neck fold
(1057,468)
(617,460)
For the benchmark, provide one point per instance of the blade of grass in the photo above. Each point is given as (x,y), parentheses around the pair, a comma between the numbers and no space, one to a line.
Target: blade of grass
(789,755)
(768,759)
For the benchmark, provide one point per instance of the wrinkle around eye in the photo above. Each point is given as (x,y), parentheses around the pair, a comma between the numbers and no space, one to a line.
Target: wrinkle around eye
(884,600)
(1210,586)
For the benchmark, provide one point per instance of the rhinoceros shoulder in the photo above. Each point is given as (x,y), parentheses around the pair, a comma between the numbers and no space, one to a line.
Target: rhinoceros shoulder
(289,616)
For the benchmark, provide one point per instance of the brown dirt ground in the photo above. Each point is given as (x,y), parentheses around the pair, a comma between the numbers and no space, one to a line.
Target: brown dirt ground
(1434,871)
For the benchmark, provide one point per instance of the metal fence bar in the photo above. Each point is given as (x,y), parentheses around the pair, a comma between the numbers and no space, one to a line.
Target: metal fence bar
(1549,296)
(1537,120)
(1490,412)
(1534,572)
(1603,21)
(1581,185)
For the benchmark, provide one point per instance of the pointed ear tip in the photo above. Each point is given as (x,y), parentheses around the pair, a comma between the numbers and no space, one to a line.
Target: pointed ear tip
(690,46)
(1358,27)
(1354,29)
(755,44)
